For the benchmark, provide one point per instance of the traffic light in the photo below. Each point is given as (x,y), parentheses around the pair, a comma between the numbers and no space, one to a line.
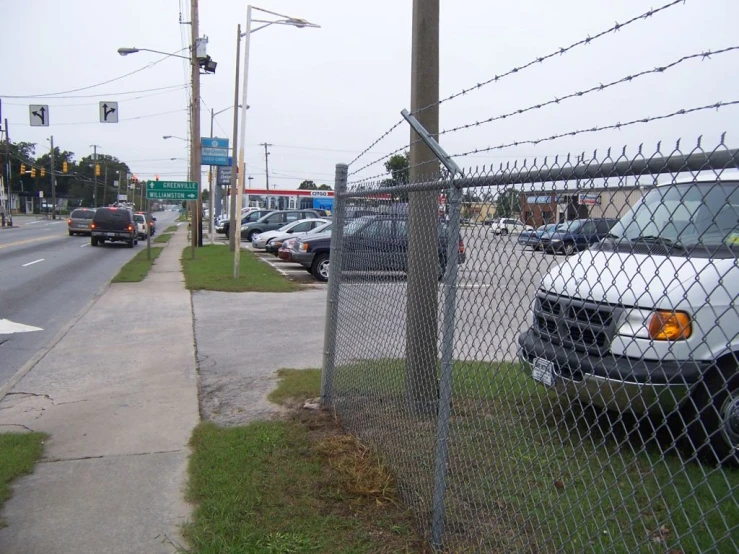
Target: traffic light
(33,172)
(97,170)
(43,172)
(156,177)
(23,169)
(65,167)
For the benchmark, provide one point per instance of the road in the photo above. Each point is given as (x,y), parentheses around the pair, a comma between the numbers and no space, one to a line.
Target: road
(46,278)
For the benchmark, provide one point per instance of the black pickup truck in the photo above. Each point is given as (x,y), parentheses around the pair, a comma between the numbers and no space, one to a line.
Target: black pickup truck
(113,224)
(371,243)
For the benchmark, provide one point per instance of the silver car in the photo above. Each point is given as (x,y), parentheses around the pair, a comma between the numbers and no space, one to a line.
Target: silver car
(295,228)
(79,221)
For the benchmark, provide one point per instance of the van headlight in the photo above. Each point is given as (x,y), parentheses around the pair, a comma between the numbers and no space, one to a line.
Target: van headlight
(656,325)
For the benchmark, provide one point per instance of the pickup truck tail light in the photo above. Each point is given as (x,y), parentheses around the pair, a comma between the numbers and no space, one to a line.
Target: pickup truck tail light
(92,225)
(461,246)
(130,227)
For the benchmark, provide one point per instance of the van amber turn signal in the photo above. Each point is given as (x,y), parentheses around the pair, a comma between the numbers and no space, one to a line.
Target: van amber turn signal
(665,325)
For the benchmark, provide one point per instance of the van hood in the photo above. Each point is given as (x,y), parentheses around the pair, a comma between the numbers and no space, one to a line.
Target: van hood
(640,280)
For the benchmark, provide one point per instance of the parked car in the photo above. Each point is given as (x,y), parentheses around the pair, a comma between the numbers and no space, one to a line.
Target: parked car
(505,225)
(79,221)
(274,220)
(646,320)
(285,251)
(533,238)
(140,225)
(286,231)
(251,216)
(275,244)
(113,225)
(378,243)
(575,235)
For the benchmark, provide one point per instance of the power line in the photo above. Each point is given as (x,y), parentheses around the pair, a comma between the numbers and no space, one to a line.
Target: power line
(120,120)
(103,94)
(51,94)
(125,100)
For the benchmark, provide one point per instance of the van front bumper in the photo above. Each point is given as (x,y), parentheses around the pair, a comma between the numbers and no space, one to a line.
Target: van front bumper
(614,382)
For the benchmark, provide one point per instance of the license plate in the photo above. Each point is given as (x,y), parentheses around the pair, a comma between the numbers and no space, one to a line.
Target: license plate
(109,234)
(543,371)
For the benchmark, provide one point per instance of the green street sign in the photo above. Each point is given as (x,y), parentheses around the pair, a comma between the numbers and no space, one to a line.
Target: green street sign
(172,190)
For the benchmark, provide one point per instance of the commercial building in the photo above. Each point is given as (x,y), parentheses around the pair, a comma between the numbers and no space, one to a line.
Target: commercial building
(555,206)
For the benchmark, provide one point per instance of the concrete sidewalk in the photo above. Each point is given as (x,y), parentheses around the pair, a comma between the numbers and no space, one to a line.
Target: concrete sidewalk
(118,397)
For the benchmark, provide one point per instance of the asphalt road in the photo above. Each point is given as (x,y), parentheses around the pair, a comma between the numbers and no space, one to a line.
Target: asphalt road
(46,278)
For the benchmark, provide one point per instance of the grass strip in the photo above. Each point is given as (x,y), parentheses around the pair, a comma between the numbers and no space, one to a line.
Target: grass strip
(537,467)
(138,267)
(212,269)
(18,454)
(171,229)
(164,238)
(299,485)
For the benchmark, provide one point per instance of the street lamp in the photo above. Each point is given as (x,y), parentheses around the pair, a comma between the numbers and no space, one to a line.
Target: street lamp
(283,20)
(165,137)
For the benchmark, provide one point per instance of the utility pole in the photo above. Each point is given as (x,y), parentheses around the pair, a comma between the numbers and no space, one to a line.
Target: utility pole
(95,176)
(197,229)
(211,196)
(120,178)
(423,257)
(105,186)
(8,215)
(266,161)
(235,167)
(53,182)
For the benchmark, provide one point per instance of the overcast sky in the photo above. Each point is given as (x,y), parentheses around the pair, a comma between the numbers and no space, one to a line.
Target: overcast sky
(321,96)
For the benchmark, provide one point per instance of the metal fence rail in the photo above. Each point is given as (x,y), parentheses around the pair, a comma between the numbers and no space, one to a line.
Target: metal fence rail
(587,380)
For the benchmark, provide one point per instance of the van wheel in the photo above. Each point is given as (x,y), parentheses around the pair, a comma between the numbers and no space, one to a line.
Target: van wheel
(503,232)
(93,241)
(715,428)
(130,243)
(569,249)
(71,234)
(320,267)
(251,235)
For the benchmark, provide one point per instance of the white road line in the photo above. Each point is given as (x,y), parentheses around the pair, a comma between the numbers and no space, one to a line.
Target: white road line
(85,244)
(33,262)
(8,327)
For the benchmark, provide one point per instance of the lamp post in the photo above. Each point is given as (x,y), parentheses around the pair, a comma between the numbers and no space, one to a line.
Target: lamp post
(283,20)
(195,63)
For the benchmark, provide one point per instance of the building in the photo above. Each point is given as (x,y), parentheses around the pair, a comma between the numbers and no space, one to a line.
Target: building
(289,199)
(555,206)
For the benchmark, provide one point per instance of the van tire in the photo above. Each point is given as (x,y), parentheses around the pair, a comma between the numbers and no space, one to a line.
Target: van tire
(568,249)
(503,232)
(130,243)
(714,433)
(93,241)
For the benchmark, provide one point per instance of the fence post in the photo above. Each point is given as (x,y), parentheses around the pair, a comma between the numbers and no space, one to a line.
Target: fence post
(334,280)
(447,363)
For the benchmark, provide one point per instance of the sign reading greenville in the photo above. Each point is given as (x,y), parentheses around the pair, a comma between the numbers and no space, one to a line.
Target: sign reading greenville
(172,190)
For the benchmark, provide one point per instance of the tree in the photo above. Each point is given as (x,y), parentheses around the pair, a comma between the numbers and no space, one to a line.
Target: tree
(399,168)
(508,203)
(307,185)
(325,187)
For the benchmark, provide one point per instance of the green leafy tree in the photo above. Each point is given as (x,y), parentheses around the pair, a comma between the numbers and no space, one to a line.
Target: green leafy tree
(399,168)
(307,185)
(325,187)
(508,203)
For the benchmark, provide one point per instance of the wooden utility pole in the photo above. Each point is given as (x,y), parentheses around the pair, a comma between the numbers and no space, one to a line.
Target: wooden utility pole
(423,255)
(195,127)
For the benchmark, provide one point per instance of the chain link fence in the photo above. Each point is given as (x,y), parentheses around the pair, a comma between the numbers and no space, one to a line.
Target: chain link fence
(563,375)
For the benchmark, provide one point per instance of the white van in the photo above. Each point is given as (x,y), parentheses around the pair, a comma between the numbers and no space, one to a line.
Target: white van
(647,320)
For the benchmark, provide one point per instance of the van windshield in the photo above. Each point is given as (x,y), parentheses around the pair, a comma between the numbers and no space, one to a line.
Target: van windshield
(570,226)
(698,218)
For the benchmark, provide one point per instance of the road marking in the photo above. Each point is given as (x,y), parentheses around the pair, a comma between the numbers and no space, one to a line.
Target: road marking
(8,327)
(28,241)
(86,244)
(33,262)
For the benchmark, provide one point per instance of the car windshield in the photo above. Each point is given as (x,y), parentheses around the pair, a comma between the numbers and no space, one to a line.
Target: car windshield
(685,216)
(286,228)
(320,229)
(569,226)
(138,218)
(547,228)
(355,225)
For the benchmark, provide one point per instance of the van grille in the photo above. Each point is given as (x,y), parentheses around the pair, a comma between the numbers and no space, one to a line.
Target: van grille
(584,325)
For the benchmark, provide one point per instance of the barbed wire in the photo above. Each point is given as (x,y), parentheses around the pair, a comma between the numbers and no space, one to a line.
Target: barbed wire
(381,158)
(375,143)
(561,51)
(600,87)
(616,126)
